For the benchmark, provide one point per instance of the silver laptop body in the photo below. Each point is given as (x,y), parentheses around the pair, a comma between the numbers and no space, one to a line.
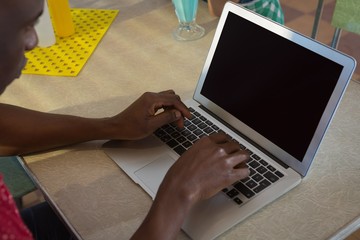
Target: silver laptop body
(271,89)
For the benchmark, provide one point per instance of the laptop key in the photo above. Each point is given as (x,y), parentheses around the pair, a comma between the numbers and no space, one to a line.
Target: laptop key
(187,123)
(172,143)
(208,122)
(202,125)
(165,138)
(198,132)
(187,144)
(203,118)
(170,130)
(196,114)
(196,121)
(249,151)
(257,177)
(254,164)
(261,169)
(185,132)
(271,168)
(181,139)
(191,137)
(244,190)
(279,174)
(272,177)
(202,135)
(263,162)
(216,128)
(175,134)
(262,185)
(208,130)
(221,131)
(242,146)
(237,201)
(232,193)
(159,132)
(191,127)
(251,184)
(179,150)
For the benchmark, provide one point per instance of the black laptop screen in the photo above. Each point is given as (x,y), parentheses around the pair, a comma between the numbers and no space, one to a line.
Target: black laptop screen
(276,87)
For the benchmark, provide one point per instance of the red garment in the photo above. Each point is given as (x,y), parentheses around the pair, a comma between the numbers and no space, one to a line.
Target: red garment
(11,224)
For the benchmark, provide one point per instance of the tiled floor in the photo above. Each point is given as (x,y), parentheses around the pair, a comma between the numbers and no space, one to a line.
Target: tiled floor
(299,15)
(354,236)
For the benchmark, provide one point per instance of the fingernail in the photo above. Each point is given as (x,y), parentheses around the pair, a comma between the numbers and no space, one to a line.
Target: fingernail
(177,114)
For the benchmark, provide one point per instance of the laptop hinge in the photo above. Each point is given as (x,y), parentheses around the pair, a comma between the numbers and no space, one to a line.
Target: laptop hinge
(245,137)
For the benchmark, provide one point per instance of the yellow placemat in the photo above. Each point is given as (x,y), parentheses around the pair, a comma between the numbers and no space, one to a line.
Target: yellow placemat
(68,56)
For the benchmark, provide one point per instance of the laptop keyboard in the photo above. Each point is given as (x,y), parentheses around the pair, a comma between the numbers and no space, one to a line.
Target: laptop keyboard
(262,174)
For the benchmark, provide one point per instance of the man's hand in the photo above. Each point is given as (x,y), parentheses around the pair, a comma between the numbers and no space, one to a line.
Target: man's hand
(212,164)
(26,131)
(148,113)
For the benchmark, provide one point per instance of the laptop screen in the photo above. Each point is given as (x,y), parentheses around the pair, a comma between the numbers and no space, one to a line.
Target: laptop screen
(276,86)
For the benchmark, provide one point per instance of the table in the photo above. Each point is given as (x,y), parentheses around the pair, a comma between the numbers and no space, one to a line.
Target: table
(97,199)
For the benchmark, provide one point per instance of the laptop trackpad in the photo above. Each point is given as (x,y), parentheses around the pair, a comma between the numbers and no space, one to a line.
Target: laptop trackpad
(153,173)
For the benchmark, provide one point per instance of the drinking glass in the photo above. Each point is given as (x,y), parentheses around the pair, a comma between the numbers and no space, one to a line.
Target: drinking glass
(186,13)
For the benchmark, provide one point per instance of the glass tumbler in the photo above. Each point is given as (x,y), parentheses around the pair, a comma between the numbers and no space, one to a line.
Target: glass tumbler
(186,13)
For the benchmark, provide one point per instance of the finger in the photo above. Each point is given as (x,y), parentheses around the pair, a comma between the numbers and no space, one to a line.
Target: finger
(180,122)
(165,118)
(170,91)
(238,159)
(240,173)
(227,143)
(219,138)
(241,165)
(231,147)
(169,101)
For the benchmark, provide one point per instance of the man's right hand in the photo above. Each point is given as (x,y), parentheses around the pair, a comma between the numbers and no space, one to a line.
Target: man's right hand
(212,164)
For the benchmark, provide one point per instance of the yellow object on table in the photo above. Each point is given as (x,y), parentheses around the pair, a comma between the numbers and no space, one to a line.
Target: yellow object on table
(61,17)
(68,56)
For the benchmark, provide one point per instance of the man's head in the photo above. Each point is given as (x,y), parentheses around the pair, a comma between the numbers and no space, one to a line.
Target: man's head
(17,35)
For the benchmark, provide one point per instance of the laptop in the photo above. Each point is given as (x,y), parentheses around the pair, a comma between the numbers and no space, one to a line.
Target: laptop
(269,88)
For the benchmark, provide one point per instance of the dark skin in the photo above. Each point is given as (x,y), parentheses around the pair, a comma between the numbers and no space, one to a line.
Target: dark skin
(17,36)
(210,165)
(40,131)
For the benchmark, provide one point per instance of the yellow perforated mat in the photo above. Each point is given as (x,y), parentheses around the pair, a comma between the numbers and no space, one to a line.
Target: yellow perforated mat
(68,56)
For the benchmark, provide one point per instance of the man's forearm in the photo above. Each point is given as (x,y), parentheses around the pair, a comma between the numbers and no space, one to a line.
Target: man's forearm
(166,216)
(25,131)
